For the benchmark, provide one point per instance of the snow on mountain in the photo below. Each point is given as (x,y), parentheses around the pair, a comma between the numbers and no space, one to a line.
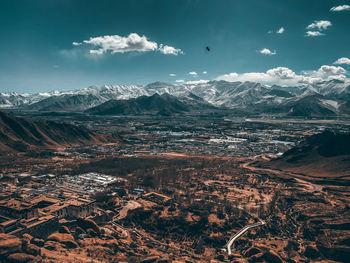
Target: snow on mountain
(15,99)
(243,95)
(332,104)
(331,88)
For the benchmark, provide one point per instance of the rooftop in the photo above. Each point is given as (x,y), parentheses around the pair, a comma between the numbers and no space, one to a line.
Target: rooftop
(15,204)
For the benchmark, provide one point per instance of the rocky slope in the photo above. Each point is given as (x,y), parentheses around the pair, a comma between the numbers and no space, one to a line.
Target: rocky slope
(322,155)
(20,135)
(164,104)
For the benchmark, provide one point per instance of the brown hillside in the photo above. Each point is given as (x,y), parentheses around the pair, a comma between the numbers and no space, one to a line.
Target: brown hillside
(322,155)
(20,135)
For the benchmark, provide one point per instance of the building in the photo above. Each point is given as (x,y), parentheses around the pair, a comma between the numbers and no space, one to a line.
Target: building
(8,225)
(157,198)
(18,209)
(80,208)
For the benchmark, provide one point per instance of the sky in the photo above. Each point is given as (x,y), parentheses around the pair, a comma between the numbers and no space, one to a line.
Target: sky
(72,44)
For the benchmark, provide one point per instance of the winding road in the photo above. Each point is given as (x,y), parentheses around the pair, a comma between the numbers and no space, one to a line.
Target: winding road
(310,187)
(241,232)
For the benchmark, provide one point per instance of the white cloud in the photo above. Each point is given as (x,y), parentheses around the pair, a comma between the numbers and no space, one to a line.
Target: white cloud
(326,71)
(314,34)
(287,77)
(333,70)
(266,51)
(319,24)
(342,60)
(204,72)
(340,8)
(192,73)
(194,82)
(96,51)
(118,44)
(179,80)
(172,75)
(168,50)
(279,75)
(280,31)
(132,43)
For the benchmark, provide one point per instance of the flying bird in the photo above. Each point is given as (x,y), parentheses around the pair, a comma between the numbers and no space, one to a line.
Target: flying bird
(207,48)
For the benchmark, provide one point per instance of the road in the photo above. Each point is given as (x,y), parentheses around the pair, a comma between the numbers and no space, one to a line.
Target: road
(248,165)
(241,232)
(310,187)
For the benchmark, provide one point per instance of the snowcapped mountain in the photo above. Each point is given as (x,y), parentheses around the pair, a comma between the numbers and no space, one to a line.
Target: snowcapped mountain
(13,99)
(326,97)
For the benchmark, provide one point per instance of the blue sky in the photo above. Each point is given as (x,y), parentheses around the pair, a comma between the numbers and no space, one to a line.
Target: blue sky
(138,42)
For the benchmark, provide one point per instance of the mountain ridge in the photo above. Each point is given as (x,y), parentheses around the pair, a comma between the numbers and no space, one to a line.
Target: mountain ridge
(165,104)
(256,97)
(20,135)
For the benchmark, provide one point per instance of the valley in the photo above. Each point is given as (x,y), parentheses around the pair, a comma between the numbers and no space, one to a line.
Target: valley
(178,188)
(188,131)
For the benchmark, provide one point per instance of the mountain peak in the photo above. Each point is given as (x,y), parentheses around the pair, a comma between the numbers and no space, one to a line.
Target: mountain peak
(219,93)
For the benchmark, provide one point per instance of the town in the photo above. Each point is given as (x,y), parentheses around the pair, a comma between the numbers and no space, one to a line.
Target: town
(226,136)
(169,191)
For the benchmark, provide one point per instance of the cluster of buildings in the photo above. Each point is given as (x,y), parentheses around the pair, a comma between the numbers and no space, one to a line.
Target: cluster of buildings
(37,205)
(221,137)
(40,204)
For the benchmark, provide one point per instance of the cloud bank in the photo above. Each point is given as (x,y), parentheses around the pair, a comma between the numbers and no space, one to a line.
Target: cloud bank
(195,82)
(131,43)
(286,77)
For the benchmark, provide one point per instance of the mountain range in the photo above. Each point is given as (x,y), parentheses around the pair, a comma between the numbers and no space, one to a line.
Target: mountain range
(327,98)
(164,104)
